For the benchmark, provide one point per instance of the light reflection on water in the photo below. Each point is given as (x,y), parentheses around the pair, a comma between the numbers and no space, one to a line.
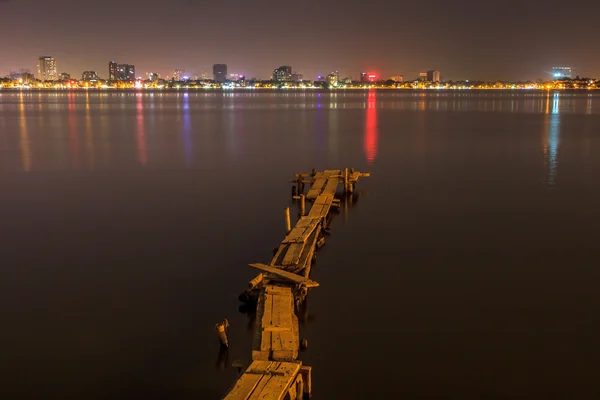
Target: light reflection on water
(141,133)
(552,140)
(24,137)
(109,114)
(371,127)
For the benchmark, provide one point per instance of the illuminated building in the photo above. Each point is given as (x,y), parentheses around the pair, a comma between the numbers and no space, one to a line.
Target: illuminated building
(562,72)
(89,76)
(333,78)
(433,76)
(112,71)
(121,72)
(423,76)
(125,72)
(283,74)
(26,77)
(297,77)
(63,76)
(367,77)
(220,72)
(47,69)
(153,76)
(397,78)
(178,74)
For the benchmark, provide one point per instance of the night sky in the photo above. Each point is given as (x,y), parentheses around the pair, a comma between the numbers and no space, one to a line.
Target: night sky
(467,39)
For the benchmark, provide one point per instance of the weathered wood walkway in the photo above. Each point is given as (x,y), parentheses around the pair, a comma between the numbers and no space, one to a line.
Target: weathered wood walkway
(281,286)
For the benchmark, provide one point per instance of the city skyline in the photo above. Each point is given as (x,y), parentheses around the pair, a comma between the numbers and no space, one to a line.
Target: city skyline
(466,40)
(181,74)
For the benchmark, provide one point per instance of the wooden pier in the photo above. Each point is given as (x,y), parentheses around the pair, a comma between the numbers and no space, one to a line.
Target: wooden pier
(282,286)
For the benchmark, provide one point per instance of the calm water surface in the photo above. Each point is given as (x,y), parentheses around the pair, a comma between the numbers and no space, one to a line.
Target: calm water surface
(467,266)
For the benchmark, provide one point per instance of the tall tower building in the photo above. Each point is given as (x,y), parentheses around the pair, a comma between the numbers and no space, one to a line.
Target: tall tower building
(178,74)
(220,72)
(112,71)
(433,76)
(47,69)
(121,72)
(283,74)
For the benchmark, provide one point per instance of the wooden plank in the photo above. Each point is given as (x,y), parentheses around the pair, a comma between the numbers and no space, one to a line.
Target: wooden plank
(244,387)
(303,231)
(315,211)
(278,386)
(260,387)
(276,343)
(331,186)
(286,275)
(277,310)
(292,257)
(281,379)
(316,187)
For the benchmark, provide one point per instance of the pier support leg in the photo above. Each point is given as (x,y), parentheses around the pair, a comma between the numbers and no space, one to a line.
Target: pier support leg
(221,329)
(302,204)
(300,183)
(288,222)
(346,183)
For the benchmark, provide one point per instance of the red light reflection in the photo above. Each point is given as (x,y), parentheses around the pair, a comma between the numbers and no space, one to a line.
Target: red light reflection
(370,144)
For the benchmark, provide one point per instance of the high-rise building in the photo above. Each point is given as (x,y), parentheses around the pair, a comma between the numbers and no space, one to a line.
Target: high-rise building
(47,69)
(90,76)
(63,76)
(112,71)
(127,72)
(178,74)
(366,77)
(121,72)
(333,78)
(433,76)
(220,72)
(283,74)
(562,72)
(423,76)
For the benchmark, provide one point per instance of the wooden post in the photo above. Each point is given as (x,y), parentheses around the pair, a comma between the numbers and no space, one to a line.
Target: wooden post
(302,204)
(346,180)
(222,332)
(288,223)
(300,183)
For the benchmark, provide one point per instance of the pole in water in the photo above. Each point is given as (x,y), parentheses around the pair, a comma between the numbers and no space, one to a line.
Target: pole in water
(222,332)
(346,180)
(293,191)
(288,223)
(302,204)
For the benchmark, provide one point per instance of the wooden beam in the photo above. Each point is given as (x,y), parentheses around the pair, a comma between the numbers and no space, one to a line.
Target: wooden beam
(286,275)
